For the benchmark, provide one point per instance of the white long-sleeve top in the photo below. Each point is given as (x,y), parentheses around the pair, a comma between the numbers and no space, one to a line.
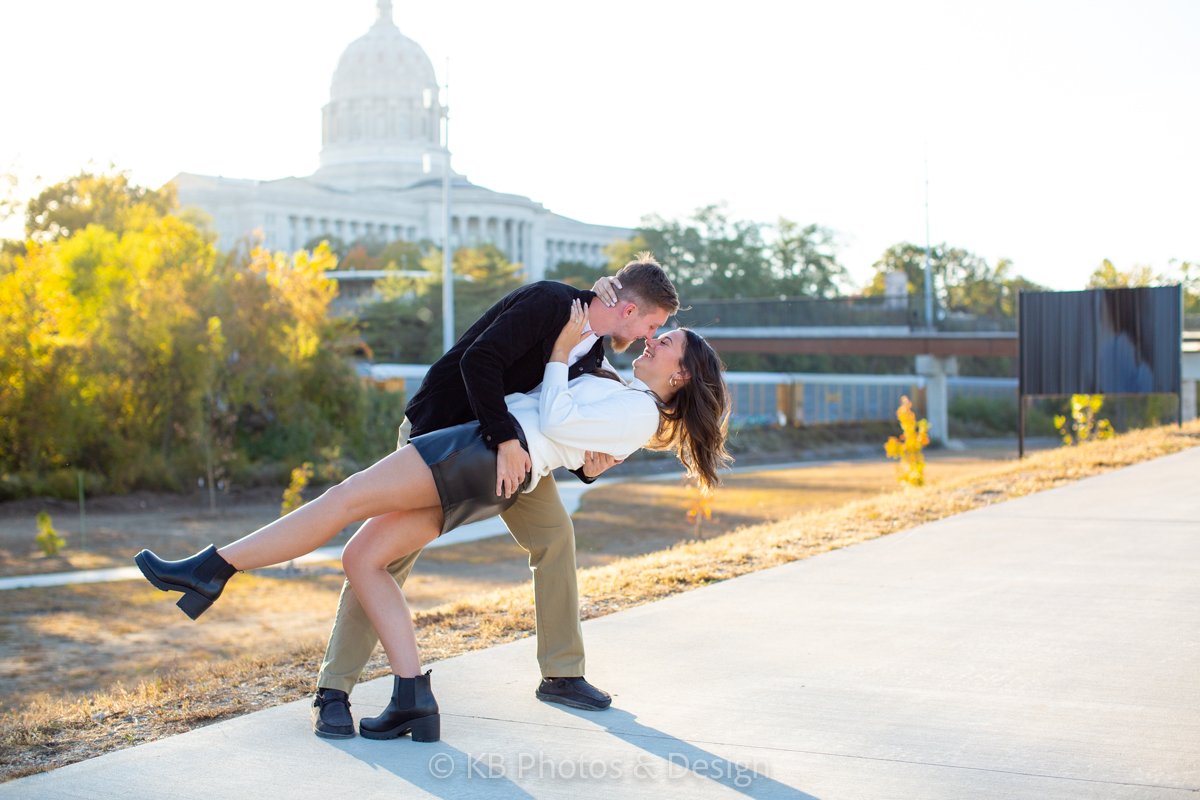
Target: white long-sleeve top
(561,420)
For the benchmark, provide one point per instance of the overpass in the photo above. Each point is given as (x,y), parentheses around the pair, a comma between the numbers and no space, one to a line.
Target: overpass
(885,326)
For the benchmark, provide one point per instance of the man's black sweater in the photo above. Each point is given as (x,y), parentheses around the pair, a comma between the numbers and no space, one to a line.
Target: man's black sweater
(505,351)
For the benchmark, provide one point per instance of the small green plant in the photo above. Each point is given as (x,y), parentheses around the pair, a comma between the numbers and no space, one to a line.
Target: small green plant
(909,447)
(293,495)
(48,538)
(1084,425)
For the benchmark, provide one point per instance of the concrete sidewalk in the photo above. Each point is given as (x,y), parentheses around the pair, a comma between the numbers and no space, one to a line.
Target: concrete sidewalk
(1047,647)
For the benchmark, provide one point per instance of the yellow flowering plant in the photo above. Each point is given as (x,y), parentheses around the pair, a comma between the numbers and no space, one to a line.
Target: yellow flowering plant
(1084,425)
(908,448)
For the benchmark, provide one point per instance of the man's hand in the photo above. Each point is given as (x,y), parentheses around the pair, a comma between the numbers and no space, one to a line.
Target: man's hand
(606,289)
(512,464)
(596,464)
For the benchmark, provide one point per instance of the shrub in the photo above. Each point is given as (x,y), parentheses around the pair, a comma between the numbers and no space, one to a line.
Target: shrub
(293,496)
(48,538)
(1084,425)
(909,447)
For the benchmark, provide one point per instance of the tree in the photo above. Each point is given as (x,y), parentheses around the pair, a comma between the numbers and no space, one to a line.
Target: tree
(8,195)
(104,199)
(577,273)
(804,261)
(1107,276)
(407,324)
(712,256)
(1189,273)
(145,355)
(962,281)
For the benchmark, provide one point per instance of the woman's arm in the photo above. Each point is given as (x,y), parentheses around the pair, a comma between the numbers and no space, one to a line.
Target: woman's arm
(601,419)
(592,416)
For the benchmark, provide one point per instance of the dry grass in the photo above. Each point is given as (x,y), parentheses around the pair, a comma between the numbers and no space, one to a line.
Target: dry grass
(51,732)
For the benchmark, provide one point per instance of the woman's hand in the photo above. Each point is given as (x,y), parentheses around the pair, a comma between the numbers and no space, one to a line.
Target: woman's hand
(606,289)
(571,334)
(596,464)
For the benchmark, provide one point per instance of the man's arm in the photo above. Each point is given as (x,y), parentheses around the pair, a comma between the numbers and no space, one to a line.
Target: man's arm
(523,326)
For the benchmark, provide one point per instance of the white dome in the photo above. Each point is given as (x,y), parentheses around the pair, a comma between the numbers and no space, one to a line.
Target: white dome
(383,115)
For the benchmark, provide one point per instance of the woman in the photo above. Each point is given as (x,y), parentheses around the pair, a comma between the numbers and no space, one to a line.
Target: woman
(440,480)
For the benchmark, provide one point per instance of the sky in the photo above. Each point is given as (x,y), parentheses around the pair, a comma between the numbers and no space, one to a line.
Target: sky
(1055,134)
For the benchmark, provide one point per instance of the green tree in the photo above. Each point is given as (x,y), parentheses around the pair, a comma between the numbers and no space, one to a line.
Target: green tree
(710,255)
(962,281)
(713,256)
(577,273)
(105,199)
(805,261)
(406,325)
(1189,275)
(1107,276)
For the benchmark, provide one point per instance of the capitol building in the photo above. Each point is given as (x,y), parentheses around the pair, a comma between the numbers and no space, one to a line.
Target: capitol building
(380,174)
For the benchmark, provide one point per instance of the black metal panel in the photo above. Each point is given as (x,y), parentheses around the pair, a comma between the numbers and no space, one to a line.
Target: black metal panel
(1101,341)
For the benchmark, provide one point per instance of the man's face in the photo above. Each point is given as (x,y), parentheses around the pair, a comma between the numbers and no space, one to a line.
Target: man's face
(637,325)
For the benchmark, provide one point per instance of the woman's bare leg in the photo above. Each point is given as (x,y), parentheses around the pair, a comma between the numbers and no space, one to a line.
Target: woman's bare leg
(398,482)
(379,542)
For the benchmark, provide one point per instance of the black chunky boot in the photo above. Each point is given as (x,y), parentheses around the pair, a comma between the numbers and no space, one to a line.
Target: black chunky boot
(201,577)
(413,708)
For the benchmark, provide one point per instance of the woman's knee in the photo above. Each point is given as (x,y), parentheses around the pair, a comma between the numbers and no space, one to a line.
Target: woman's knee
(357,559)
(342,496)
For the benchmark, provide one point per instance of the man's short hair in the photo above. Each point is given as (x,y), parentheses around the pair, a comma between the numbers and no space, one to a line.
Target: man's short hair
(644,282)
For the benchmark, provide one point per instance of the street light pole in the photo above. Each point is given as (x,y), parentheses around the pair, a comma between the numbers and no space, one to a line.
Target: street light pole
(447,256)
(928,270)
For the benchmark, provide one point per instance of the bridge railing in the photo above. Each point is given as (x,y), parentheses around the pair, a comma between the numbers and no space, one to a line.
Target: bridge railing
(791,312)
(788,398)
(859,312)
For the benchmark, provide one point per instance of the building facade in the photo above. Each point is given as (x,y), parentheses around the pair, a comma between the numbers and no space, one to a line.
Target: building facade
(380,174)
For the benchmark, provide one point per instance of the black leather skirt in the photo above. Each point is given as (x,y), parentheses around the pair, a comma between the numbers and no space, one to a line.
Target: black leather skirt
(464,469)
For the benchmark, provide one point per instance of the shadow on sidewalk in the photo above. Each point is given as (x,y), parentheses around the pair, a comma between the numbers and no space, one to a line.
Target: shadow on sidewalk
(679,757)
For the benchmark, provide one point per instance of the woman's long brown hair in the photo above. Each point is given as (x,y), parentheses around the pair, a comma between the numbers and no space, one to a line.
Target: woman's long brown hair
(695,421)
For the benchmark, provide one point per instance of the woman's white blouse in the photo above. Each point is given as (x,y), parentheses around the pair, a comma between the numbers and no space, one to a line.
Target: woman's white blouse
(561,420)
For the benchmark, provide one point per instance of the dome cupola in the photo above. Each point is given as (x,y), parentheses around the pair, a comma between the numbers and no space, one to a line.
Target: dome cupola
(382,123)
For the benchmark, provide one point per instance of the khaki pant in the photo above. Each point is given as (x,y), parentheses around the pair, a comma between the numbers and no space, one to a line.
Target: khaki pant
(542,526)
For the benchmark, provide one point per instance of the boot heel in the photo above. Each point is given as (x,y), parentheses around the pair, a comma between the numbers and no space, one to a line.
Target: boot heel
(427,729)
(193,604)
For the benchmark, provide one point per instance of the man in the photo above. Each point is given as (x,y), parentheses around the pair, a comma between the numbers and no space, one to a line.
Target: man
(505,351)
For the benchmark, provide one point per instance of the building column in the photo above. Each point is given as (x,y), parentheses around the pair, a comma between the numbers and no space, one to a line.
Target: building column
(1188,398)
(937,401)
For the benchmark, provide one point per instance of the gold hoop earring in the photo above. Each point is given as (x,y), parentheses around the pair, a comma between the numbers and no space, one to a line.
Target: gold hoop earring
(674,382)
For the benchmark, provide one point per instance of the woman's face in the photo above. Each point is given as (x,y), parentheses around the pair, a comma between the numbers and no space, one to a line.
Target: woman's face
(662,358)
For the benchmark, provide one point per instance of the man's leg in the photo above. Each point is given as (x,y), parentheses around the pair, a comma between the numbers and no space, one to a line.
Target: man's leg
(541,525)
(353,638)
(351,642)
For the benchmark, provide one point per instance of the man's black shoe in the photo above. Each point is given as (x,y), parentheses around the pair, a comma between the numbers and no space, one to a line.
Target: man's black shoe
(573,692)
(331,715)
